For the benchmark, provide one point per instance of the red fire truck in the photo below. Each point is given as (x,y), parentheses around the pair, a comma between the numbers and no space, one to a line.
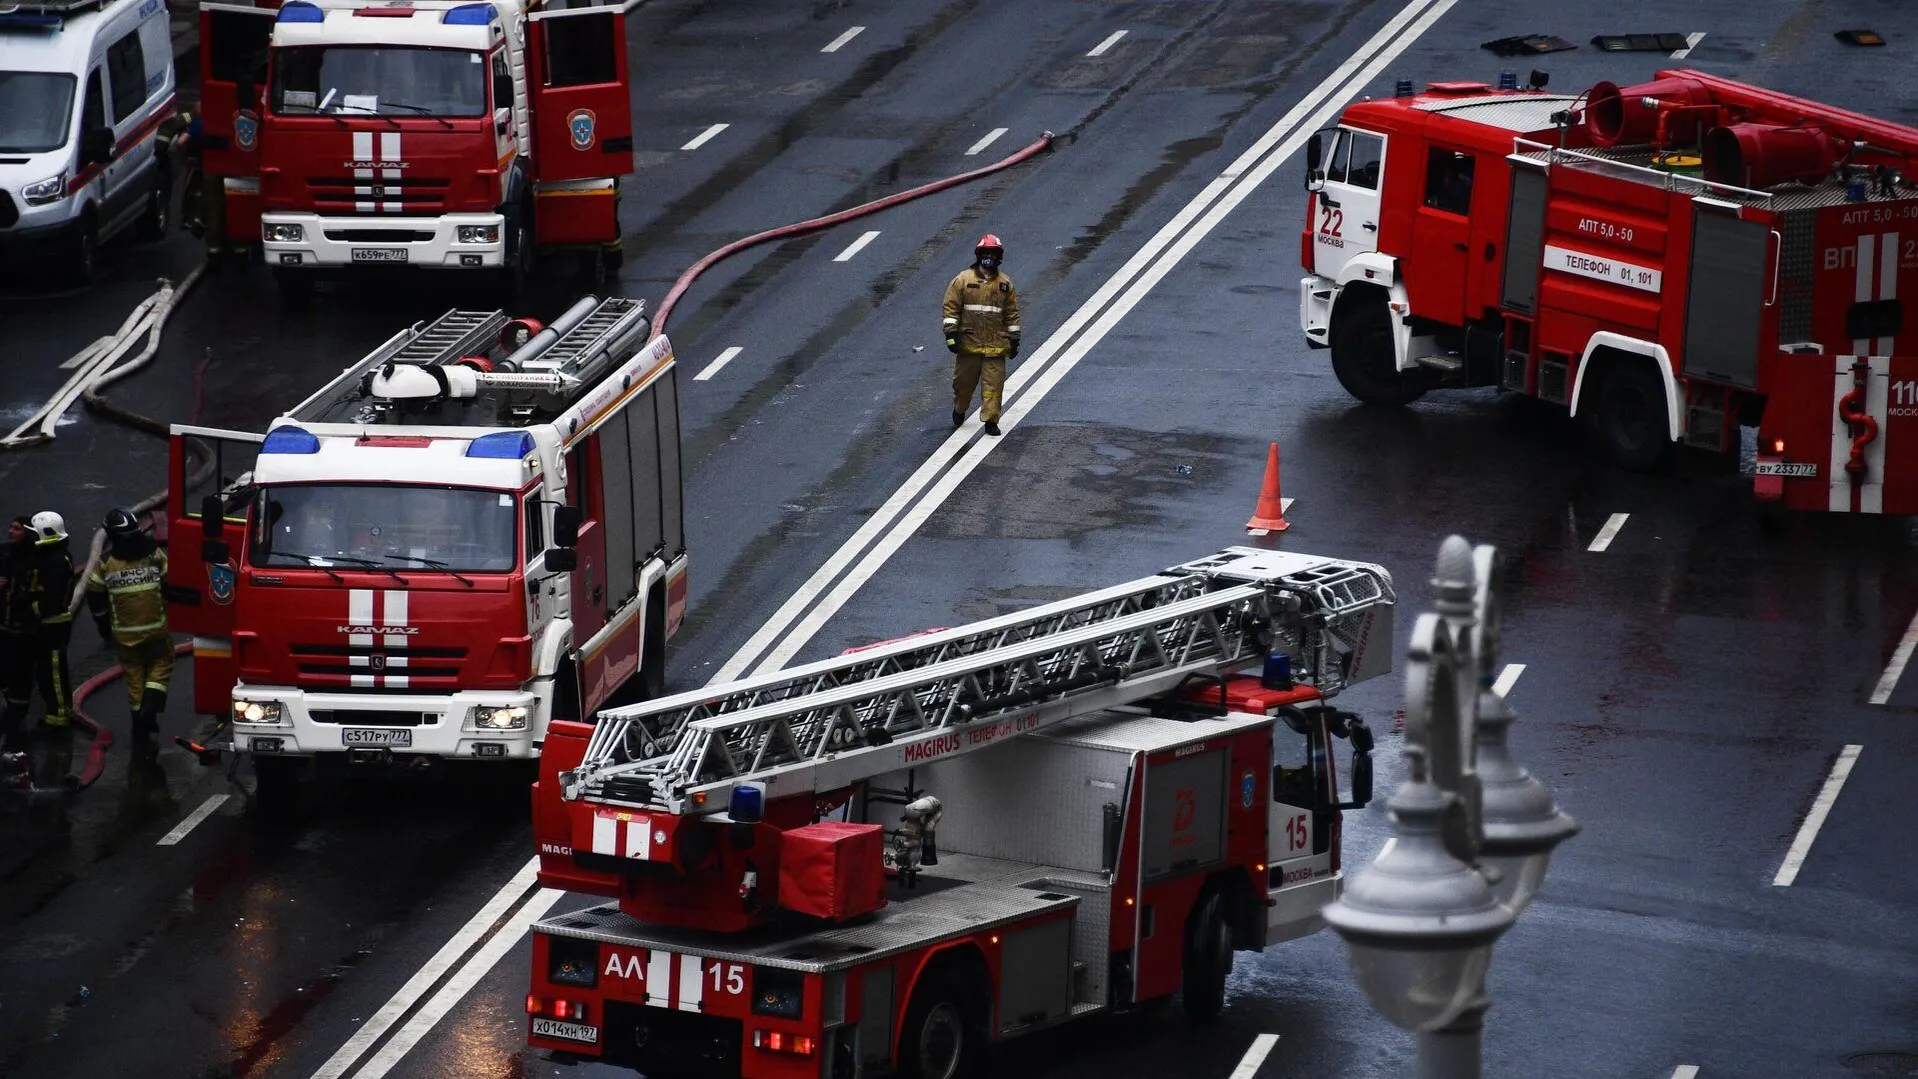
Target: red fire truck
(471,531)
(880,862)
(1671,261)
(444,134)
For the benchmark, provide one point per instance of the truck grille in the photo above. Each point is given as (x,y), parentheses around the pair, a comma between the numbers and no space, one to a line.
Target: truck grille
(379,236)
(341,194)
(361,717)
(334,666)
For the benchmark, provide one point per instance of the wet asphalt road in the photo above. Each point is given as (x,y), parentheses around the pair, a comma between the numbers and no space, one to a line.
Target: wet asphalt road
(1685,692)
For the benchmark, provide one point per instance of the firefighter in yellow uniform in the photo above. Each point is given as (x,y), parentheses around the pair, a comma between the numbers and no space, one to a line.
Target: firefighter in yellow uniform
(982,331)
(126,594)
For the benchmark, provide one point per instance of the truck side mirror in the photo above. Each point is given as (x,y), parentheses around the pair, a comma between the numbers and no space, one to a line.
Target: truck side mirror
(215,552)
(212,517)
(1361,781)
(562,559)
(1314,157)
(565,527)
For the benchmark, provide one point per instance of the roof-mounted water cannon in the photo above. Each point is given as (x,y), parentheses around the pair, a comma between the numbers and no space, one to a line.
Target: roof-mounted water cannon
(1659,112)
(1758,156)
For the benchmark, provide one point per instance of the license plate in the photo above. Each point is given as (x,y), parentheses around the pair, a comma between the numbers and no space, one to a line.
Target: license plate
(379,254)
(376,736)
(1787,468)
(572,1032)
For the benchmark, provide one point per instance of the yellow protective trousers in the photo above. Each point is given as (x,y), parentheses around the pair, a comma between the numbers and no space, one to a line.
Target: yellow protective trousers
(146,664)
(971,369)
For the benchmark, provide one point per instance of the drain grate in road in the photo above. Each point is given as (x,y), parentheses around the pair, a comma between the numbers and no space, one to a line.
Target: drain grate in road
(1884,1063)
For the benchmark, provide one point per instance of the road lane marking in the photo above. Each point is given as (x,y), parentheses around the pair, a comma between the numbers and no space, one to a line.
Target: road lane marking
(991,137)
(1101,47)
(1691,42)
(855,247)
(193,819)
(840,41)
(1820,809)
(1254,166)
(1609,533)
(1255,1056)
(478,926)
(1508,678)
(459,985)
(953,461)
(713,367)
(705,136)
(1685,1071)
(1896,668)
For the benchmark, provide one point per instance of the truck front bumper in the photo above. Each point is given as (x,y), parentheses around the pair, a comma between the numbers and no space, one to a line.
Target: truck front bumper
(420,725)
(445,242)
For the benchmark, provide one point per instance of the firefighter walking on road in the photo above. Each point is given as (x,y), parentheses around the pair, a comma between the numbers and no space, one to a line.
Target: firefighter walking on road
(982,332)
(126,595)
(42,600)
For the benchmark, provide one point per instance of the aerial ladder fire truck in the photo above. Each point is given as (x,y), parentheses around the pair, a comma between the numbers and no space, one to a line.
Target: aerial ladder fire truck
(881,862)
(472,530)
(1671,261)
(457,135)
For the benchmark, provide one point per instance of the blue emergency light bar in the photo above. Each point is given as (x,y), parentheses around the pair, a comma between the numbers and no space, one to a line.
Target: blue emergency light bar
(503,445)
(290,439)
(301,11)
(470,15)
(21,20)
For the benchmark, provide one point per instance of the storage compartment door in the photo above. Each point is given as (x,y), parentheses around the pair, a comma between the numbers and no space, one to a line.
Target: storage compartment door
(1730,283)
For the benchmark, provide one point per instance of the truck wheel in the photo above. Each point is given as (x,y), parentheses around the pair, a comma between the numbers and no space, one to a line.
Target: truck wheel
(83,256)
(1362,357)
(1628,417)
(519,255)
(940,1038)
(277,788)
(1208,959)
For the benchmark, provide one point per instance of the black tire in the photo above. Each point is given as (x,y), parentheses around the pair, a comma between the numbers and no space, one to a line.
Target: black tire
(1208,959)
(1628,423)
(276,792)
(518,233)
(1362,355)
(296,287)
(83,258)
(941,1037)
(158,215)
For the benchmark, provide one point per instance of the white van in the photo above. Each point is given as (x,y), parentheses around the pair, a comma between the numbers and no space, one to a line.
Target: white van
(84,88)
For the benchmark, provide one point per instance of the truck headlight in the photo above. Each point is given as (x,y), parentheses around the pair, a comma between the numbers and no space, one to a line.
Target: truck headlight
(501,719)
(478,234)
(285,234)
(51,189)
(258,713)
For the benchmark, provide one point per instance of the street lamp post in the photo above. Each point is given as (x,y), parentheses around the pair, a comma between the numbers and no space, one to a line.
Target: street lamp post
(1473,831)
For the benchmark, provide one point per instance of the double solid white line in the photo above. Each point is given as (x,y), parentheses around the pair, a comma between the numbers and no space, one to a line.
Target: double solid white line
(505,916)
(828,589)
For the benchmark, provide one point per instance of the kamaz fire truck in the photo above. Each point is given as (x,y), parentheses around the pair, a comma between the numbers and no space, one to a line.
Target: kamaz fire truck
(473,530)
(879,863)
(445,134)
(1671,261)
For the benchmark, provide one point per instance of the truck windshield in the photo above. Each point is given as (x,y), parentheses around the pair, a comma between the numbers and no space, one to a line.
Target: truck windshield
(377,80)
(34,110)
(413,529)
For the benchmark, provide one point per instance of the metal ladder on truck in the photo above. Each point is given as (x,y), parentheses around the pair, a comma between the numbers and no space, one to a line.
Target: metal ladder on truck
(828,724)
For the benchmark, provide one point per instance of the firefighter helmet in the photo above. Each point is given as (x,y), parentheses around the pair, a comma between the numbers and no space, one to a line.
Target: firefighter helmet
(48,525)
(120,522)
(988,242)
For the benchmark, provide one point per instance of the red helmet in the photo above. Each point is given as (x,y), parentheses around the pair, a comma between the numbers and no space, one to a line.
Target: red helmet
(988,242)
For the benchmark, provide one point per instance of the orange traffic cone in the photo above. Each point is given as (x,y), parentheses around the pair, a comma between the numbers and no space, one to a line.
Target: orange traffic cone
(1270,515)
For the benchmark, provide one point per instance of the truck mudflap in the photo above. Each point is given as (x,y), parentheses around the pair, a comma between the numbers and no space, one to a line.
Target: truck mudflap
(1840,435)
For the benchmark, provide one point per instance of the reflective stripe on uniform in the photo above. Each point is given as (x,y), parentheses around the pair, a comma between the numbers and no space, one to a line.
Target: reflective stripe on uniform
(1012,329)
(984,307)
(951,322)
(149,586)
(136,630)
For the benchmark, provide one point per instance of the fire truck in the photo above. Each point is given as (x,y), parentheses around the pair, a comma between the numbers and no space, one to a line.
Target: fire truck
(1671,261)
(474,529)
(438,134)
(881,863)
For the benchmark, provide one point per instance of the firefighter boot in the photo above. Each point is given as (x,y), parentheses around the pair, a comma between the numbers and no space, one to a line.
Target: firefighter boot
(146,724)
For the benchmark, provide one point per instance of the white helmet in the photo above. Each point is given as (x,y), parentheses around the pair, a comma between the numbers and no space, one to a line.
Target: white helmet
(48,525)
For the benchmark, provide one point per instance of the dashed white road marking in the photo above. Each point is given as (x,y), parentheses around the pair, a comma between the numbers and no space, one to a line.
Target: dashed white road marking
(855,247)
(1609,533)
(1685,1071)
(1896,668)
(705,136)
(1820,809)
(1255,1056)
(1508,678)
(193,820)
(840,41)
(991,137)
(713,367)
(1691,42)
(1101,47)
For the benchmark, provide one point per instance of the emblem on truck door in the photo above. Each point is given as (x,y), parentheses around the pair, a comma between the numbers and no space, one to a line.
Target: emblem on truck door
(579,124)
(246,130)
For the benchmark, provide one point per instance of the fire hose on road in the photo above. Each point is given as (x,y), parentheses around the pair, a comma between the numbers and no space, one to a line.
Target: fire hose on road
(105,361)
